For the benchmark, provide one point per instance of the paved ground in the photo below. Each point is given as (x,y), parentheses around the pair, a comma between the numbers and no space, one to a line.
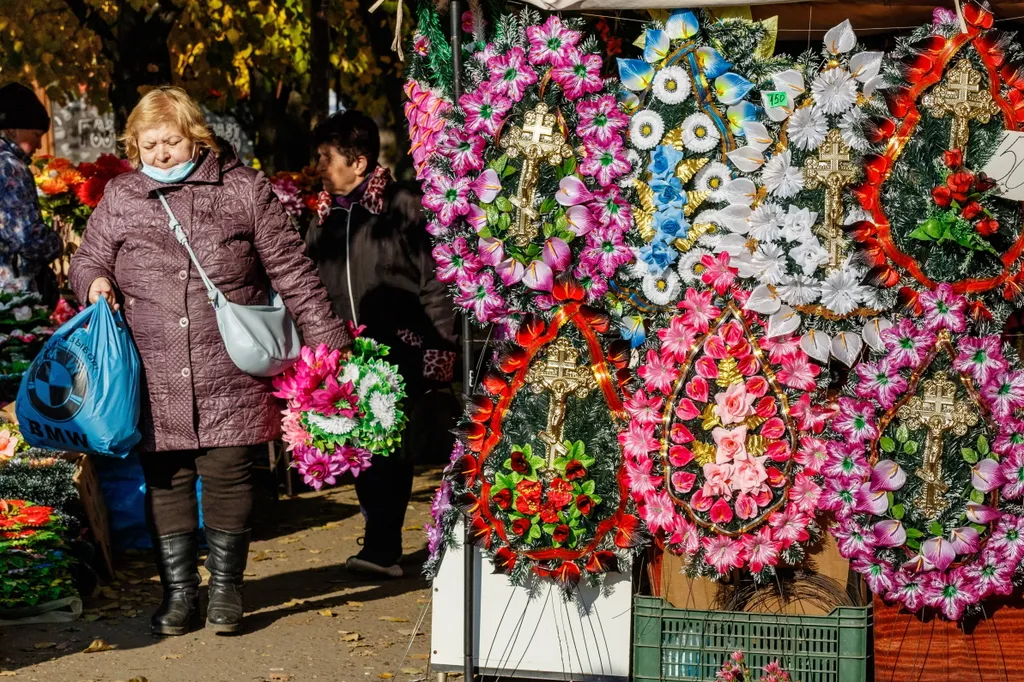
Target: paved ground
(307,618)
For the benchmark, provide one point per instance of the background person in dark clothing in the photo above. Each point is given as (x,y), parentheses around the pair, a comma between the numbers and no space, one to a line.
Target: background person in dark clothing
(373,255)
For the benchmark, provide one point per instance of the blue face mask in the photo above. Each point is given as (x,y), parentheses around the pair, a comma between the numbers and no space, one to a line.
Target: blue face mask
(172,174)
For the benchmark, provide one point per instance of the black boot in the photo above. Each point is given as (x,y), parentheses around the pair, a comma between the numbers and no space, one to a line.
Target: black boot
(226,563)
(176,557)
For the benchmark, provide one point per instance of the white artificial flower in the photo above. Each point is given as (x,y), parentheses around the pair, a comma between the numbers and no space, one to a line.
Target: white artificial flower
(646,129)
(807,128)
(366,384)
(22,314)
(382,408)
(637,269)
(856,215)
(798,224)
(633,157)
(711,241)
(689,266)
(699,133)
(798,290)
(672,85)
(713,178)
(841,292)
(662,289)
(809,255)
(338,426)
(871,297)
(350,375)
(770,262)
(781,178)
(851,127)
(766,222)
(834,90)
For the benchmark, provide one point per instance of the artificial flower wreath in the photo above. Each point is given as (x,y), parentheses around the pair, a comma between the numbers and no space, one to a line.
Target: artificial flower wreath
(721,455)
(926,471)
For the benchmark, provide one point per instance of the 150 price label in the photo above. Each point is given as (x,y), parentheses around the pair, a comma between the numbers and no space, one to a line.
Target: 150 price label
(776,98)
(1006,166)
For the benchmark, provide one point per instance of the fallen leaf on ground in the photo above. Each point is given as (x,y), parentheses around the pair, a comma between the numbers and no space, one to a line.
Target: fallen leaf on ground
(357,645)
(348,636)
(98,645)
(294,603)
(354,604)
(171,657)
(288,541)
(44,645)
(109,593)
(393,619)
(262,556)
(280,677)
(138,679)
(385,676)
(326,613)
(412,671)
(411,528)
(91,617)
(420,657)
(315,551)
(8,673)
(408,633)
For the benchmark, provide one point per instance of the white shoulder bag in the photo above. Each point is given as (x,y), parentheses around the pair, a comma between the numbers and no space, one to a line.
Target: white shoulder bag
(262,340)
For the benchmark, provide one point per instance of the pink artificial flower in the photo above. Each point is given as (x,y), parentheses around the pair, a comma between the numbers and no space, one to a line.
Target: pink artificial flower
(1010,440)
(556,254)
(943,309)
(812,418)
(780,347)
(658,374)
(717,481)
(846,459)
(455,261)
(485,110)
(811,454)
(909,589)
(718,274)
(478,294)
(879,577)
(683,481)
(749,477)
(465,152)
(1008,538)
(907,344)
(856,420)
(594,283)
(448,198)
(604,162)
(699,309)
(965,540)
(335,399)
(643,409)
(317,468)
(354,459)
(538,276)
(887,475)
(511,271)
(511,75)
(421,44)
(979,513)
(980,357)
(986,475)
(761,549)
(790,525)
(572,192)
(1012,473)
(685,536)
(889,533)
(600,120)
(990,575)
(731,444)
(723,553)
(581,220)
(879,380)
(294,434)
(734,405)
(871,501)
(949,592)
(1004,393)
(804,493)
(677,340)
(606,250)
(578,74)
(491,250)
(638,440)
(798,372)
(638,477)
(550,42)
(611,211)
(476,217)
(486,186)
(840,497)
(854,540)
(721,511)
(659,511)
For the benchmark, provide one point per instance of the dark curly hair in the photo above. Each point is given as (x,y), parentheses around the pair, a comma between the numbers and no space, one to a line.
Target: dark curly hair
(352,133)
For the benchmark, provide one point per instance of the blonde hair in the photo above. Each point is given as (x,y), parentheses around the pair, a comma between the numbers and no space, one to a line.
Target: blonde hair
(167,104)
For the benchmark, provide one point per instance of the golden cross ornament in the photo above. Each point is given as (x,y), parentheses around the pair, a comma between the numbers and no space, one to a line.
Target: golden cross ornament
(938,410)
(961,95)
(832,169)
(539,140)
(560,374)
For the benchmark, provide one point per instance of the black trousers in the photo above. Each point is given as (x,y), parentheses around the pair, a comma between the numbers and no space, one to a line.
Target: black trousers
(171,503)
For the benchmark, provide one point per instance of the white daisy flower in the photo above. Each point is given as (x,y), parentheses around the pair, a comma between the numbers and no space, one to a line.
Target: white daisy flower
(711,241)
(841,292)
(809,255)
(638,268)
(338,426)
(672,85)
(766,222)
(713,178)
(350,375)
(798,290)
(770,262)
(367,383)
(798,224)
(633,157)
(689,266)
(871,297)
(781,178)
(699,133)
(807,128)
(834,90)
(852,130)
(662,289)
(382,407)
(646,129)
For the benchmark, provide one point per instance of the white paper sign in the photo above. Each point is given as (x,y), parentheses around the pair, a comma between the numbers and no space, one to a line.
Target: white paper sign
(1006,166)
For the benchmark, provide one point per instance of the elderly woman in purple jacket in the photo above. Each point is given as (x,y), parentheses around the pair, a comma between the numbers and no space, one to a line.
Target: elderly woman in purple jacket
(201,416)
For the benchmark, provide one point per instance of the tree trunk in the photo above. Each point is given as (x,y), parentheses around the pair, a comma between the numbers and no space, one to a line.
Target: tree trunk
(143,58)
(319,62)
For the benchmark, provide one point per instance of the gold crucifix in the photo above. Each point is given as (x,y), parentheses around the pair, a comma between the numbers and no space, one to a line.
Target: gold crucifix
(961,95)
(831,168)
(540,139)
(559,373)
(937,410)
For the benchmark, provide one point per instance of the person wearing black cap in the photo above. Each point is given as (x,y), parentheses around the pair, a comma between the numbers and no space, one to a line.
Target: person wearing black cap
(27,245)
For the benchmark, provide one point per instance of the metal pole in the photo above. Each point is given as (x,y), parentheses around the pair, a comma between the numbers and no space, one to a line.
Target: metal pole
(468,554)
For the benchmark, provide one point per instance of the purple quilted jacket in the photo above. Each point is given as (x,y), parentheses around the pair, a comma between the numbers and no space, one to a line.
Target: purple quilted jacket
(193,396)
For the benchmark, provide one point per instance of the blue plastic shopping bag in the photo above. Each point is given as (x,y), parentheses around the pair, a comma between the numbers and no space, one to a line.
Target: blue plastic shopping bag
(81,392)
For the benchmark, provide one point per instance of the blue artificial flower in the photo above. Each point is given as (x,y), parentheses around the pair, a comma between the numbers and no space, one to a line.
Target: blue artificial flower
(632,330)
(664,160)
(658,255)
(671,225)
(635,74)
(669,192)
(682,24)
(711,62)
(738,114)
(656,45)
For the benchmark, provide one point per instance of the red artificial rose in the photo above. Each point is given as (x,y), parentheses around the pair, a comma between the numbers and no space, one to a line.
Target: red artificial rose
(503,498)
(560,534)
(560,493)
(984,183)
(521,527)
(519,463)
(548,513)
(574,470)
(954,158)
(971,210)
(528,501)
(942,196)
(585,504)
(960,184)
(987,226)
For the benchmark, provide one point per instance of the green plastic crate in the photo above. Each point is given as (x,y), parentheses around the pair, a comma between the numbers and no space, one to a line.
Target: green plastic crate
(685,645)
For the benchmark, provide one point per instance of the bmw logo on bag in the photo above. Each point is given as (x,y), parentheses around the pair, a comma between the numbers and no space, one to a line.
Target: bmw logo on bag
(58,384)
